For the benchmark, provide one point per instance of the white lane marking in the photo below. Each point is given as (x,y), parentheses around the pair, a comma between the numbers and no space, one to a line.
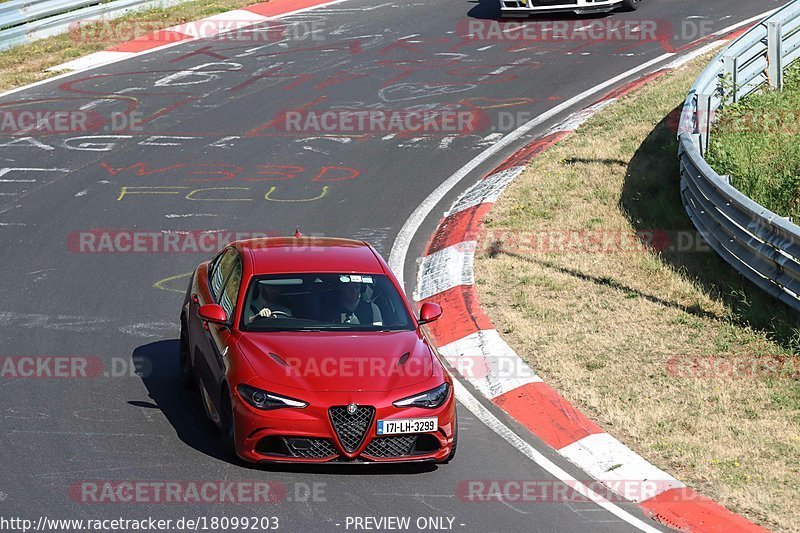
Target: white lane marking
(93,60)
(397,257)
(693,55)
(484,415)
(732,27)
(486,190)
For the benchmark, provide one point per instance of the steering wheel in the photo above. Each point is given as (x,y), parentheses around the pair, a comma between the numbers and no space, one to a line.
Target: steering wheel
(274,314)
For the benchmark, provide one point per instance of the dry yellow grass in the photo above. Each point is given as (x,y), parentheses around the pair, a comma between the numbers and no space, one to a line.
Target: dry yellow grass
(28,63)
(601,327)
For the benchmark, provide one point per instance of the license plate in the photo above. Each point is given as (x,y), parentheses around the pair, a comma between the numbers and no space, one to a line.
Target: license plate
(407,425)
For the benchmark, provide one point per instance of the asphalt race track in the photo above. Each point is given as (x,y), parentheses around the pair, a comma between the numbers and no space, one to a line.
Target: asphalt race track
(209,155)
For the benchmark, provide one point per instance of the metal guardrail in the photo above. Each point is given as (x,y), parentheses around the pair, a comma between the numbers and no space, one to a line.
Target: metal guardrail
(24,21)
(763,246)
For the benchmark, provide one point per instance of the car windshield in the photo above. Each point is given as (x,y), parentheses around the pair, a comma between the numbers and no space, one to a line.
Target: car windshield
(324,302)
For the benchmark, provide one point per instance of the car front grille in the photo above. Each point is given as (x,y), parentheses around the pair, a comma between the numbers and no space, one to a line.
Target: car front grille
(351,428)
(538,3)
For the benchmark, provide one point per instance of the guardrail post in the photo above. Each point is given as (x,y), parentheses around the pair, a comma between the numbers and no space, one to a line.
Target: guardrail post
(704,121)
(775,54)
(731,70)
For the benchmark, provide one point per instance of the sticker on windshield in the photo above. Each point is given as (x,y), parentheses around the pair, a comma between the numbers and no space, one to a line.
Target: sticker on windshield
(355,278)
(344,279)
(367,279)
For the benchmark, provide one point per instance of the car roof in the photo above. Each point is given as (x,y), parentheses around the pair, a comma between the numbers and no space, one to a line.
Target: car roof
(281,255)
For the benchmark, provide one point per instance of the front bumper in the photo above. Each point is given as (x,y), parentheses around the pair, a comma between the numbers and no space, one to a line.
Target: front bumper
(527,7)
(308,435)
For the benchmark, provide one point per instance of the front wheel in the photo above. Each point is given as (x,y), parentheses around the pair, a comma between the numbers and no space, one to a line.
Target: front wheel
(185,360)
(452,454)
(228,427)
(630,5)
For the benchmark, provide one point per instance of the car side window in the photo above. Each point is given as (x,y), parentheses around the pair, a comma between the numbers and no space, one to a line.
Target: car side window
(221,270)
(215,278)
(231,291)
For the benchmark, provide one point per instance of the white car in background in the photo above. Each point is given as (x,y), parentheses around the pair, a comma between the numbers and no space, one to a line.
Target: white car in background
(516,8)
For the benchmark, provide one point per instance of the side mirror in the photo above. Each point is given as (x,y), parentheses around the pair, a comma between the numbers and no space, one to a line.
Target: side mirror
(213,313)
(429,312)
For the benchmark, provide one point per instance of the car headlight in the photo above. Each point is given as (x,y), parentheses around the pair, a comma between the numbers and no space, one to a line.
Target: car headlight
(261,399)
(429,399)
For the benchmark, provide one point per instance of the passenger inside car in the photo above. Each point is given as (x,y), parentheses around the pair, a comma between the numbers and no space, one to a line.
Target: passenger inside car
(353,306)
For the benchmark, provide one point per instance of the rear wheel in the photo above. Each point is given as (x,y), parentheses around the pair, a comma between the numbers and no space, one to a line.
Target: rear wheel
(630,5)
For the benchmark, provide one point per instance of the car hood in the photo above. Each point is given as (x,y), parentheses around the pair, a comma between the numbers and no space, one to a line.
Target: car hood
(339,361)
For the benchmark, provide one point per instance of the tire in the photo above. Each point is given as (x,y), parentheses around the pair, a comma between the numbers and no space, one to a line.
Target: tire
(228,427)
(185,360)
(630,5)
(452,454)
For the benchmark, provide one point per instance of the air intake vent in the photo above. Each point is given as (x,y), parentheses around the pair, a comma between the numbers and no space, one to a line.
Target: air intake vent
(396,446)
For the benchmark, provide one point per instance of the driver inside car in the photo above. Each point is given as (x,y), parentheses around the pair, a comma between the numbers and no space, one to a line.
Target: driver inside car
(265,302)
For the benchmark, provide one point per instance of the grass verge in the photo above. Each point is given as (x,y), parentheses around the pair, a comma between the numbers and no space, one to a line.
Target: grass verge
(27,63)
(757,142)
(604,325)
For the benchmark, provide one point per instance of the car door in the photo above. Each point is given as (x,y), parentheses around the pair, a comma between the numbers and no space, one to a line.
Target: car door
(220,336)
(210,290)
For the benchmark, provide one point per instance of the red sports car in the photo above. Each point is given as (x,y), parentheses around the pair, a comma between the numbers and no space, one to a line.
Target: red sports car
(306,350)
